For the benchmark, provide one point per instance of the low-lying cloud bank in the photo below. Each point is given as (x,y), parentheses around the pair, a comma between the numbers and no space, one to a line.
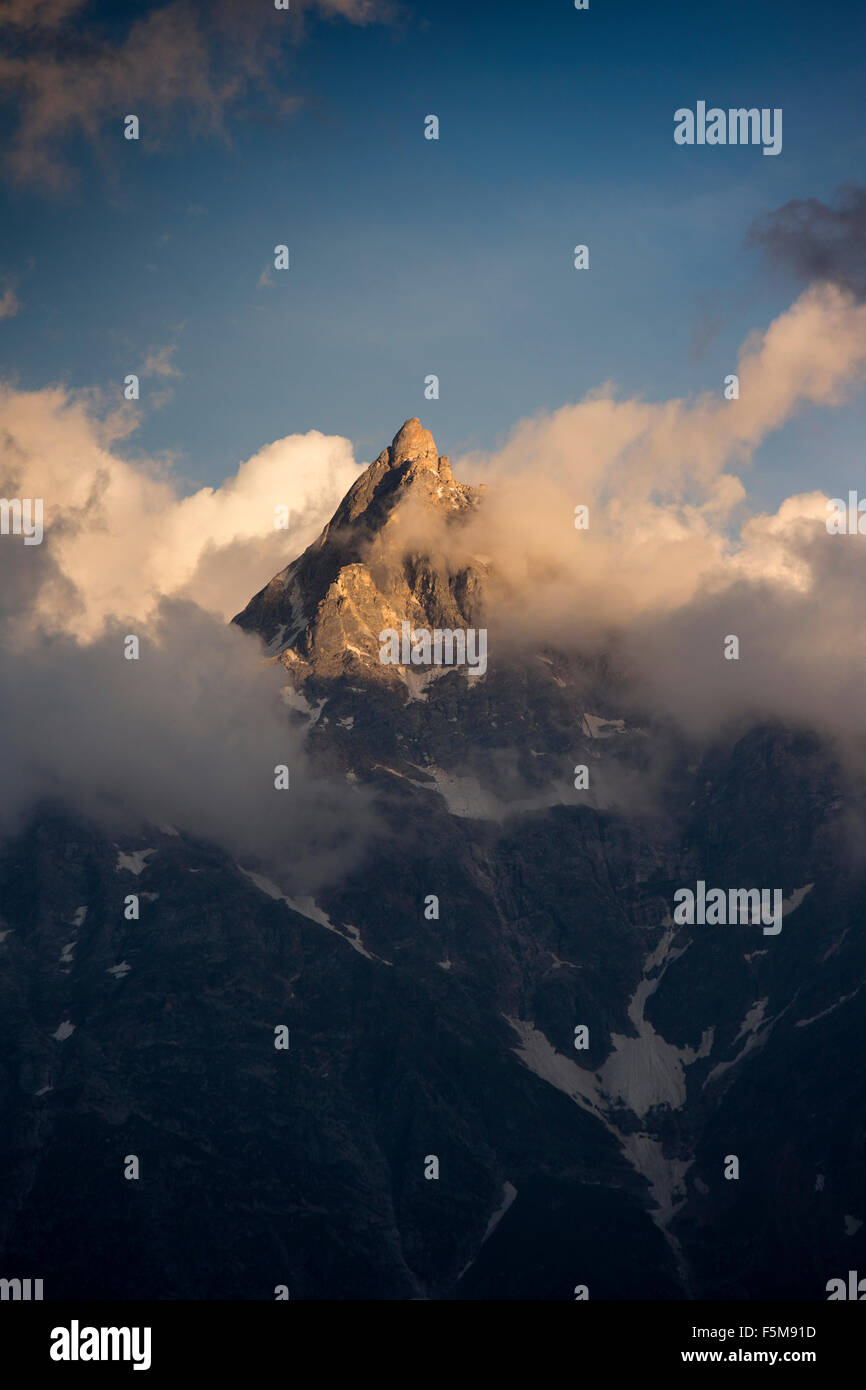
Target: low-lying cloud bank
(189,733)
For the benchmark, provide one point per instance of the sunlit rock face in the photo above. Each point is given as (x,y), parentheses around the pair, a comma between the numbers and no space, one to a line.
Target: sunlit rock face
(322,614)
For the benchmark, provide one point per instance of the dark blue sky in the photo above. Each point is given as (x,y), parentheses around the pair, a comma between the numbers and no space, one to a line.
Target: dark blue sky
(454,257)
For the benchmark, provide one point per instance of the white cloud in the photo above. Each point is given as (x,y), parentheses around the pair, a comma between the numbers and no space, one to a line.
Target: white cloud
(122,535)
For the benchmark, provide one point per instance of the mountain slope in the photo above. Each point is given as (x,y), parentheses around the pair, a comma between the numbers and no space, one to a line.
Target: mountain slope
(434,991)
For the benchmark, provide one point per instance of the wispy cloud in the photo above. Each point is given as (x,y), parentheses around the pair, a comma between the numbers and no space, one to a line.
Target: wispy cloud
(819,241)
(9,303)
(158,362)
(37,14)
(202,60)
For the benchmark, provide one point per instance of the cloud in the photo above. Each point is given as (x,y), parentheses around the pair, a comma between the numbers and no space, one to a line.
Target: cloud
(673,545)
(178,58)
(9,303)
(123,535)
(661,480)
(191,733)
(158,362)
(818,241)
(675,559)
(37,14)
(358,11)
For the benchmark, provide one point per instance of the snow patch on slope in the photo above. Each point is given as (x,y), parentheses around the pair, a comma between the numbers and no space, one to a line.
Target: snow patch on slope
(509,1193)
(645,1153)
(418,681)
(804,1022)
(308,907)
(791,904)
(465,797)
(641,1073)
(133,862)
(647,1070)
(753,1020)
(296,701)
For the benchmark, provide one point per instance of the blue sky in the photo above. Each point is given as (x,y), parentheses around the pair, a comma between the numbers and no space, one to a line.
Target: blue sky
(454,257)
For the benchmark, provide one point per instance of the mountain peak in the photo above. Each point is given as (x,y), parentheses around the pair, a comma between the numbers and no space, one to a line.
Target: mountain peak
(323,611)
(412,442)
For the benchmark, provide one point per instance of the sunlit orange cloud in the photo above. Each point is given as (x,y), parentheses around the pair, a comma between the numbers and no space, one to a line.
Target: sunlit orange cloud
(123,535)
(669,513)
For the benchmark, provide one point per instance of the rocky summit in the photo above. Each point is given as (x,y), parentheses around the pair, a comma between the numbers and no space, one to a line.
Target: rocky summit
(508,1071)
(322,614)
